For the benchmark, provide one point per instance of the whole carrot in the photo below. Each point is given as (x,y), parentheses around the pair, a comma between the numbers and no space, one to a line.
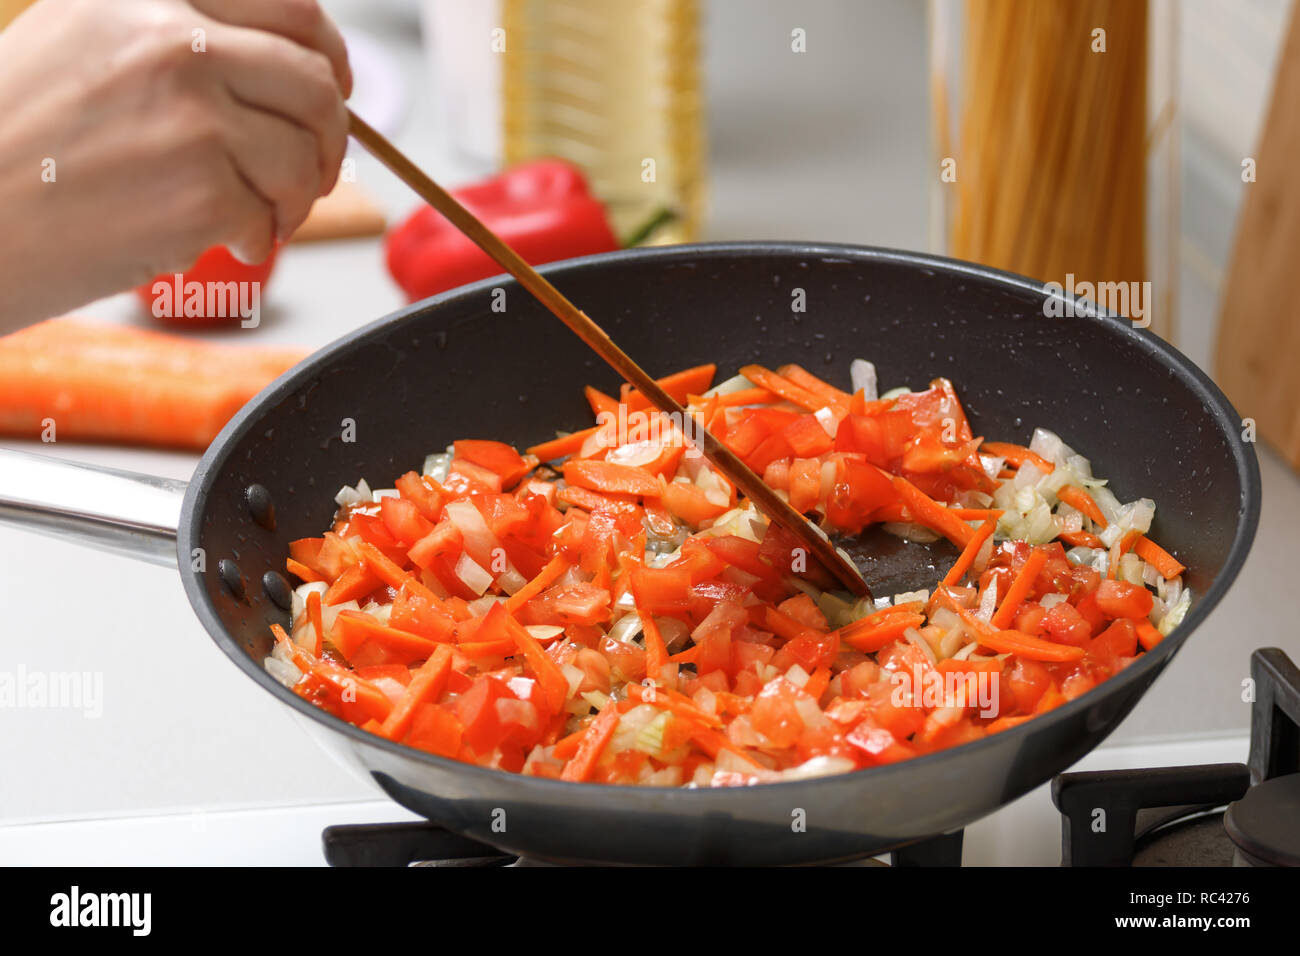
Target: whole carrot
(97,382)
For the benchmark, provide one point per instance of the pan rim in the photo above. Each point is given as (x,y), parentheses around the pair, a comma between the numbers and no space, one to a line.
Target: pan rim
(1151,662)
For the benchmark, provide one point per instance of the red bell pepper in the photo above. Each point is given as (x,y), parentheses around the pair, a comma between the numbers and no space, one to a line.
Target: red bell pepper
(541,208)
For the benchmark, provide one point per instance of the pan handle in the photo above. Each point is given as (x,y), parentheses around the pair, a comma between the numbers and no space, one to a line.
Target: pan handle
(106,508)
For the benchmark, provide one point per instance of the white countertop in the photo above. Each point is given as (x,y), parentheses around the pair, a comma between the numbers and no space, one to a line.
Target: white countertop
(184,735)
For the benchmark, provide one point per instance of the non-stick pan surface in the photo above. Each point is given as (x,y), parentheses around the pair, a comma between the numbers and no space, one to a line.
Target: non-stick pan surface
(451,367)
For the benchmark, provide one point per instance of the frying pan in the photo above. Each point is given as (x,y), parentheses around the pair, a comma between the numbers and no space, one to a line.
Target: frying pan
(451,367)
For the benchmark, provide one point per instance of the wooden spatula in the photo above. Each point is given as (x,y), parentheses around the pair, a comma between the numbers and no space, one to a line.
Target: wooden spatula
(1259,327)
(750,484)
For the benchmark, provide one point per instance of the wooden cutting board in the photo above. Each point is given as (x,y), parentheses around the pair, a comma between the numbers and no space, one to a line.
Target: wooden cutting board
(1257,357)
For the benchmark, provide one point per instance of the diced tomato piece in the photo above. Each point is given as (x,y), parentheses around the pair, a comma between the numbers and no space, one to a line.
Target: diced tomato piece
(1065,625)
(563,604)
(713,636)
(425,493)
(775,715)
(415,613)
(403,520)
(1123,599)
(661,590)
(805,484)
(465,478)
(445,540)
(435,729)
(858,490)
(495,456)
(807,437)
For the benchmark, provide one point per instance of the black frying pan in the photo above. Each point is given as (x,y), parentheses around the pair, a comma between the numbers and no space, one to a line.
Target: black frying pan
(450,367)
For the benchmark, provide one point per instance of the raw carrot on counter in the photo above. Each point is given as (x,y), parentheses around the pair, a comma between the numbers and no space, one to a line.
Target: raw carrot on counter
(100,382)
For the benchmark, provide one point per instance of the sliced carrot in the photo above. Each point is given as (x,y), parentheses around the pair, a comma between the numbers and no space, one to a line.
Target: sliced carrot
(301,571)
(1158,557)
(1080,500)
(103,382)
(743,396)
(592,745)
(870,638)
(563,446)
(316,617)
(600,402)
(355,582)
(388,571)
(656,652)
(1148,635)
(805,379)
(678,385)
(1018,455)
(977,514)
(1030,647)
(1081,539)
(554,685)
(427,684)
(818,681)
(970,552)
(782,386)
(678,704)
(355,628)
(544,579)
(607,477)
(1020,588)
(925,510)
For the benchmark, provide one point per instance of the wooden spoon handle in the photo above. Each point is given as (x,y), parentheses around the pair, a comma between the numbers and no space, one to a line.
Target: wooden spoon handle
(750,484)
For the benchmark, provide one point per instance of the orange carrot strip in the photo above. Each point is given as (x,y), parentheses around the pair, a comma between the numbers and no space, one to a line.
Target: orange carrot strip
(678,385)
(395,577)
(805,379)
(317,620)
(1020,588)
(970,552)
(925,510)
(977,514)
(564,446)
(593,742)
(873,638)
(554,685)
(656,652)
(600,402)
(782,386)
(1018,455)
(745,396)
(1080,539)
(1148,635)
(817,683)
(1030,647)
(544,579)
(1158,557)
(1080,500)
(301,571)
(427,684)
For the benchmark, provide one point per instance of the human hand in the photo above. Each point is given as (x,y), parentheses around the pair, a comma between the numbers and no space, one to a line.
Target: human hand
(136,134)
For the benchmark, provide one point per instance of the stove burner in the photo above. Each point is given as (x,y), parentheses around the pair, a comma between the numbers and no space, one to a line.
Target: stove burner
(1174,816)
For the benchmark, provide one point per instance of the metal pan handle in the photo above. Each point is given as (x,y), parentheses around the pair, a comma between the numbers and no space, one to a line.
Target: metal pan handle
(105,508)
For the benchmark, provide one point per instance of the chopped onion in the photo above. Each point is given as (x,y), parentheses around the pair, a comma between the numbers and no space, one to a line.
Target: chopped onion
(910,532)
(826,418)
(862,378)
(914,637)
(436,466)
(1049,601)
(906,597)
(472,574)
(283,671)
(737,383)
(626,628)
(635,454)
(544,632)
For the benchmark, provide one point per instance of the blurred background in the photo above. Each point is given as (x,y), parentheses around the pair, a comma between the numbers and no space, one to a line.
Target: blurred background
(830,120)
